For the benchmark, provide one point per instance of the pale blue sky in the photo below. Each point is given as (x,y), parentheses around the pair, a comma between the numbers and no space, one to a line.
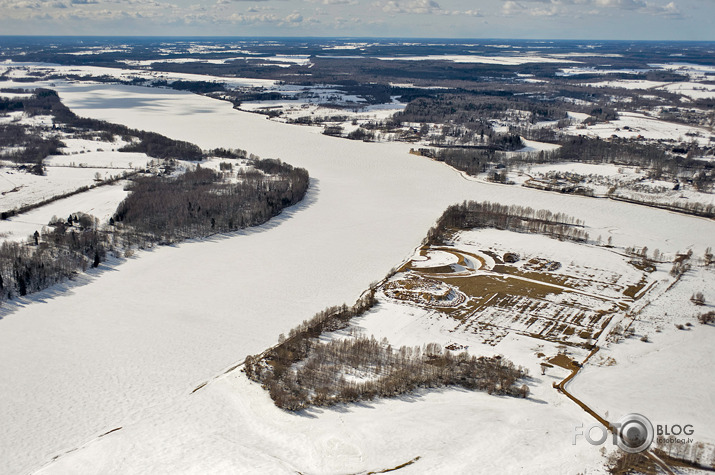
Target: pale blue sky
(569,19)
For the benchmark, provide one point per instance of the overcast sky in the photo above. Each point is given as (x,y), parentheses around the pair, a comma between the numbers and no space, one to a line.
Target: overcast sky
(569,19)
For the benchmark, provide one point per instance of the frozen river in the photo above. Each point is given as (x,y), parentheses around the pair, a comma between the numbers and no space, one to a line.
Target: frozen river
(137,337)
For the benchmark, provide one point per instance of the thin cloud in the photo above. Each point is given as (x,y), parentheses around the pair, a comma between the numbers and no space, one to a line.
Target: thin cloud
(294,17)
(414,6)
(575,7)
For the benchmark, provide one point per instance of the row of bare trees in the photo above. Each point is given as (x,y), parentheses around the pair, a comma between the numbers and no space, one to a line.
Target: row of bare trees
(472,214)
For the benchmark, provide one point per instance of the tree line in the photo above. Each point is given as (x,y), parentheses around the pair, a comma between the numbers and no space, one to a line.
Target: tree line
(472,215)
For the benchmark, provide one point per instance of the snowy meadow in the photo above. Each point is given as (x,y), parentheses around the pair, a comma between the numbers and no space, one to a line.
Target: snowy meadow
(126,346)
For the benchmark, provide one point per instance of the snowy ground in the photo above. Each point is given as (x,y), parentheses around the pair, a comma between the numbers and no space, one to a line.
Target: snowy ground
(534,146)
(283,60)
(127,347)
(84,164)
(100,202)
(434,259)
(19,70)
(310,107)
(628,84)
(632,125)
(693,71)
(449,431)
(669,378)
(629,182)
(19,188)
(624,377)
(592,271)
(692,90)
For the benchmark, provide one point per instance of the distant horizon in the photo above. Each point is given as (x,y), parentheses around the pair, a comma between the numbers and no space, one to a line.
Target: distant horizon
(414,38)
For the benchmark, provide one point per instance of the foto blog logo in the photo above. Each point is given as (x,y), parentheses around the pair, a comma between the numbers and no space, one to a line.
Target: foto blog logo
(633,433)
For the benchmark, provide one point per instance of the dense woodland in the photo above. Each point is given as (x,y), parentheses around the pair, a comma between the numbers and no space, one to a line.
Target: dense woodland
(378,370)
(199,202)
(58,253)
(472,161)
(475,110)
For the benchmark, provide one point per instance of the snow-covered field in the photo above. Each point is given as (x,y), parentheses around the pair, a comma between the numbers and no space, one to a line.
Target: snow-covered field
(628,84)
(309,107)
(127,347)
(693,71)
(577,70)
(19,70)
(100,202)
(20,188)
(669,377)
(693,90)
(84,164)
(631,125)
(586,267)
(302,60)
(604,180)
(534,146)
(235,428)
(665,377)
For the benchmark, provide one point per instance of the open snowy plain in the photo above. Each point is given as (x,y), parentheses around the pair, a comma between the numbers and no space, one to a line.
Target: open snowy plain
(126,347)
